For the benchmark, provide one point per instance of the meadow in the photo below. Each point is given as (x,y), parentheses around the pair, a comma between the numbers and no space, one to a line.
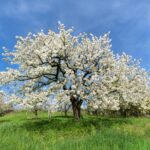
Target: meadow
(17,132)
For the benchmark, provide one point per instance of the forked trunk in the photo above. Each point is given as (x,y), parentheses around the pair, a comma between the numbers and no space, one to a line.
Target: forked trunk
(76,107)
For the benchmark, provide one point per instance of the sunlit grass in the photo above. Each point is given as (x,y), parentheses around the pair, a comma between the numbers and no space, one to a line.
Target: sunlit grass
(91,133)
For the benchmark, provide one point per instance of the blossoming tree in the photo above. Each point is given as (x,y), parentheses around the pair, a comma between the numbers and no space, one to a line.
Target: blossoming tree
(124,88)
(83,66)
(50,61)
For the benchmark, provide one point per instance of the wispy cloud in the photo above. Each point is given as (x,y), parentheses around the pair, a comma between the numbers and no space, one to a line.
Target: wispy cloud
(16,8)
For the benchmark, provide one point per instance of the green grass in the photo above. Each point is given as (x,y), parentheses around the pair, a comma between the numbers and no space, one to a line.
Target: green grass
(63,133)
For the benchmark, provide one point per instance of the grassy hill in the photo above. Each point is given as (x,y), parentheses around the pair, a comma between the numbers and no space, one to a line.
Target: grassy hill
(63,133)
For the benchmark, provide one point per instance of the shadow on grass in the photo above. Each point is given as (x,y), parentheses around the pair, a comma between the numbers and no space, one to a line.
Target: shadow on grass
(3,121)
(59,123)
(63,117)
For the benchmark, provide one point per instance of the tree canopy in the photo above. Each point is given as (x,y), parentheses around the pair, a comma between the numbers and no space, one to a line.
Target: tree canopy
(76,68)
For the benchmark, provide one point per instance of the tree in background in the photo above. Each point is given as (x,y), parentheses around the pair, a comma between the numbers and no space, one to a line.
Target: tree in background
(30,101)
(4,106)
(63,102)
(124,88)
(1,104)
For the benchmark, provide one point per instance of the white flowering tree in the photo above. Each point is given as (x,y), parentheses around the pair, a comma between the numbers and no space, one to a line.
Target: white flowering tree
(57,61)
(124,88)
(83,66)
(63,102)
(33,101)
(133,85)
(5,107)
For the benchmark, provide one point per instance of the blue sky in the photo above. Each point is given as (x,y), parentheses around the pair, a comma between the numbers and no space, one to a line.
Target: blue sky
(128,21)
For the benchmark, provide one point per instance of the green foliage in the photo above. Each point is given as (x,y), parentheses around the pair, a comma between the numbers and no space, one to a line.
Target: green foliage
(91,133)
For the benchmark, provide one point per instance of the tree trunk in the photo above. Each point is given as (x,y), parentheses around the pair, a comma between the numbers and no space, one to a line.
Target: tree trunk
(123,112)
(65,110)
(65,113)
(76,107)
(95,112)
(36,113)
(49,114)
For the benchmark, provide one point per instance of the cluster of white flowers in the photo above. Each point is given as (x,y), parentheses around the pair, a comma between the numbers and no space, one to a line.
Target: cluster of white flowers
(123,86)
(29,101)
(82,67)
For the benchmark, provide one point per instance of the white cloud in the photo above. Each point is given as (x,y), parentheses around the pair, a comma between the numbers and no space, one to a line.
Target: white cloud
(24,7)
